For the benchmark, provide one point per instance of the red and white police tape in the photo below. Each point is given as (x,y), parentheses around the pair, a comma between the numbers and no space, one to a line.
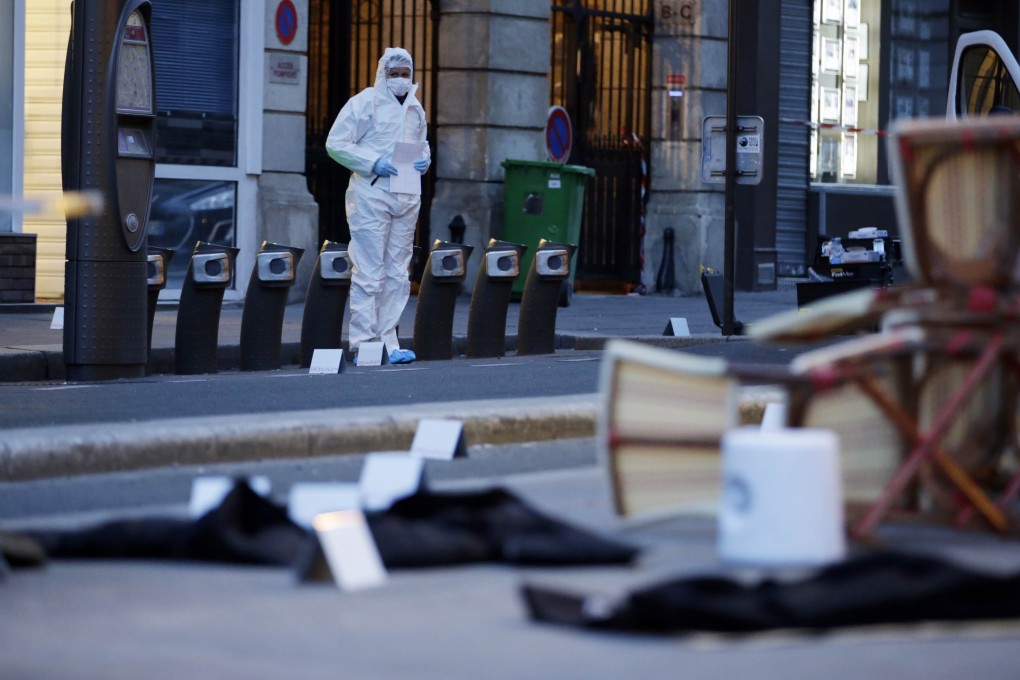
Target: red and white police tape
(833,126)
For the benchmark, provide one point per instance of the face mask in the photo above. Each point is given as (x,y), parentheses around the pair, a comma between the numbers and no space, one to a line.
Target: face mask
(399,86)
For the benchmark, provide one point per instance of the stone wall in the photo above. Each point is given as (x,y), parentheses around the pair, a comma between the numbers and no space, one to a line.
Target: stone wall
(493,102)
(690,57)
(286,211)
(17,267)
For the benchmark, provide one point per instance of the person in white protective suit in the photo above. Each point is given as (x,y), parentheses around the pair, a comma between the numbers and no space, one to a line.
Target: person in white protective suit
(382,222)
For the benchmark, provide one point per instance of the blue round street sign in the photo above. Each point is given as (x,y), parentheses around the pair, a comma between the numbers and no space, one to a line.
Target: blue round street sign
(559,134)
(286,21)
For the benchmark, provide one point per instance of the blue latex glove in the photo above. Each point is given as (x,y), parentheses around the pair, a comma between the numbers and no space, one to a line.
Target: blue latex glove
(383,167)
(421,165)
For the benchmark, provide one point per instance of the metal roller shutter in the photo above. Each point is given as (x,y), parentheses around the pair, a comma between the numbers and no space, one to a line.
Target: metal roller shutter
(792,170)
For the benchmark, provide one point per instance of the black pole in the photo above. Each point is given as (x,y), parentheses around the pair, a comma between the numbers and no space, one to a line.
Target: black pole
(731,168)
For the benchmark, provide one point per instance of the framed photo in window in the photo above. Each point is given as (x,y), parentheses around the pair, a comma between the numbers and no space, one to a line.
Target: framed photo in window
(923,69)
(903,106)
(852,13)
(813,157)
(906,25)
(814,100)
(828,161)
(850,57)
(830,55)
(850,104)
(832,11)
(830,105)
(903,65)
(848,159)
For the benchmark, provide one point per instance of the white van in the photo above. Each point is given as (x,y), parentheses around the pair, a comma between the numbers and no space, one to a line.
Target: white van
(984,77)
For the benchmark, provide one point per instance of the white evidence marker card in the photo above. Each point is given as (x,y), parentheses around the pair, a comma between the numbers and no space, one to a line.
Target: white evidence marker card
(678,327)
(327,361)
(308,499)
(389,476)
(208,492)
(350,550)
(372,354)
(439,439)
(57,322)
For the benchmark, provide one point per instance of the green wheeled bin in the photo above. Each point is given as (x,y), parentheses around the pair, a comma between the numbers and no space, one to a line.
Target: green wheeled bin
(542,199)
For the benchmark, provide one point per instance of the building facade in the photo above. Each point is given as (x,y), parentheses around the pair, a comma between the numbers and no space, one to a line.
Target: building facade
(247,88)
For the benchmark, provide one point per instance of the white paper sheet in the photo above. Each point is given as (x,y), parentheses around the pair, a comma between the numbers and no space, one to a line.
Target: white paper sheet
(407,180)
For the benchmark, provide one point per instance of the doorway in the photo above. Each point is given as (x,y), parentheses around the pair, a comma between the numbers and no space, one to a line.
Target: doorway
(345,40)
(601,74)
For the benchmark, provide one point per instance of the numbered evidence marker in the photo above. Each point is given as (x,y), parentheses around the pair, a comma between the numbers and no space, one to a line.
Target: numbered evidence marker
(209,492)
(387,477)
(439,439)
(57,323)
(372,354)
(308,499)
(328,362)
(350,550)
(677,326)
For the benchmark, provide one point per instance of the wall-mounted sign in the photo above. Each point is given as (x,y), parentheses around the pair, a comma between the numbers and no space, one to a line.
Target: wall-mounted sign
(674,12)
(284,68)
(286,21)
(559,135)
(749,135)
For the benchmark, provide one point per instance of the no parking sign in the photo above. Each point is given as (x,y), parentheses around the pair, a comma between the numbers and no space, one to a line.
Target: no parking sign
(559,134)
(286,22)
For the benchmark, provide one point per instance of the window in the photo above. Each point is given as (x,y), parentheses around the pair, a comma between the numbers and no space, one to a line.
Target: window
(844,108)
(985,84)
(195,44)
(201,188)
(185,212)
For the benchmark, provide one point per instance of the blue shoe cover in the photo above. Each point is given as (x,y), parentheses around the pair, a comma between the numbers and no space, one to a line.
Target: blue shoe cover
(402,356)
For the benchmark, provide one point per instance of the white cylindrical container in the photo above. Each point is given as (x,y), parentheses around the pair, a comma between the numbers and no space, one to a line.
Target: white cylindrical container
(782,497)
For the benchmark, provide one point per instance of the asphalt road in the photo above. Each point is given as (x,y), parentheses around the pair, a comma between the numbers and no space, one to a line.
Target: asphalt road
(84,499)
(170,396)
(124,619)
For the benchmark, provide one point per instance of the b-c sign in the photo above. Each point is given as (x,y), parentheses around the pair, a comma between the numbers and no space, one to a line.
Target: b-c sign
(674,11)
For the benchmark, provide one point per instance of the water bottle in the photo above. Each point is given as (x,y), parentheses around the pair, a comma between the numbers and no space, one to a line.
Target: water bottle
(835,251)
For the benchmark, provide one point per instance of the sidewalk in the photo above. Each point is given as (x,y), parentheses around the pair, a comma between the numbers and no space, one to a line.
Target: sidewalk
(31,351)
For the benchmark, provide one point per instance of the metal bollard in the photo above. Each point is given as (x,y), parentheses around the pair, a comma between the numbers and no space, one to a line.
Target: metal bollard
(437,297)
(325,301)
(491,298)
(264,306)
(198,315)
(158,263)
(536,329)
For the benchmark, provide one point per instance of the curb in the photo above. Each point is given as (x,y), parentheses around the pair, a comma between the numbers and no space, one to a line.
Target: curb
(91,449)
(36,364)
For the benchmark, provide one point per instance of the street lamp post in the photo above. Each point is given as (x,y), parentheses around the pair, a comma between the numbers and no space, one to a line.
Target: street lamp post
(731,170)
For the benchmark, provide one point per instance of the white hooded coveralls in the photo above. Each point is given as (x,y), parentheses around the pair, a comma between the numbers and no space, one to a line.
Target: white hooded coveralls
(382,223)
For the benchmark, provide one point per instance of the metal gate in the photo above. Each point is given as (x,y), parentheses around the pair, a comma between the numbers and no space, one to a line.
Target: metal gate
(601,74)
(345,40)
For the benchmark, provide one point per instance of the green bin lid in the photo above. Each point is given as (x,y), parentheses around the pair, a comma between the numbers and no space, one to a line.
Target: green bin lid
(562,167)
